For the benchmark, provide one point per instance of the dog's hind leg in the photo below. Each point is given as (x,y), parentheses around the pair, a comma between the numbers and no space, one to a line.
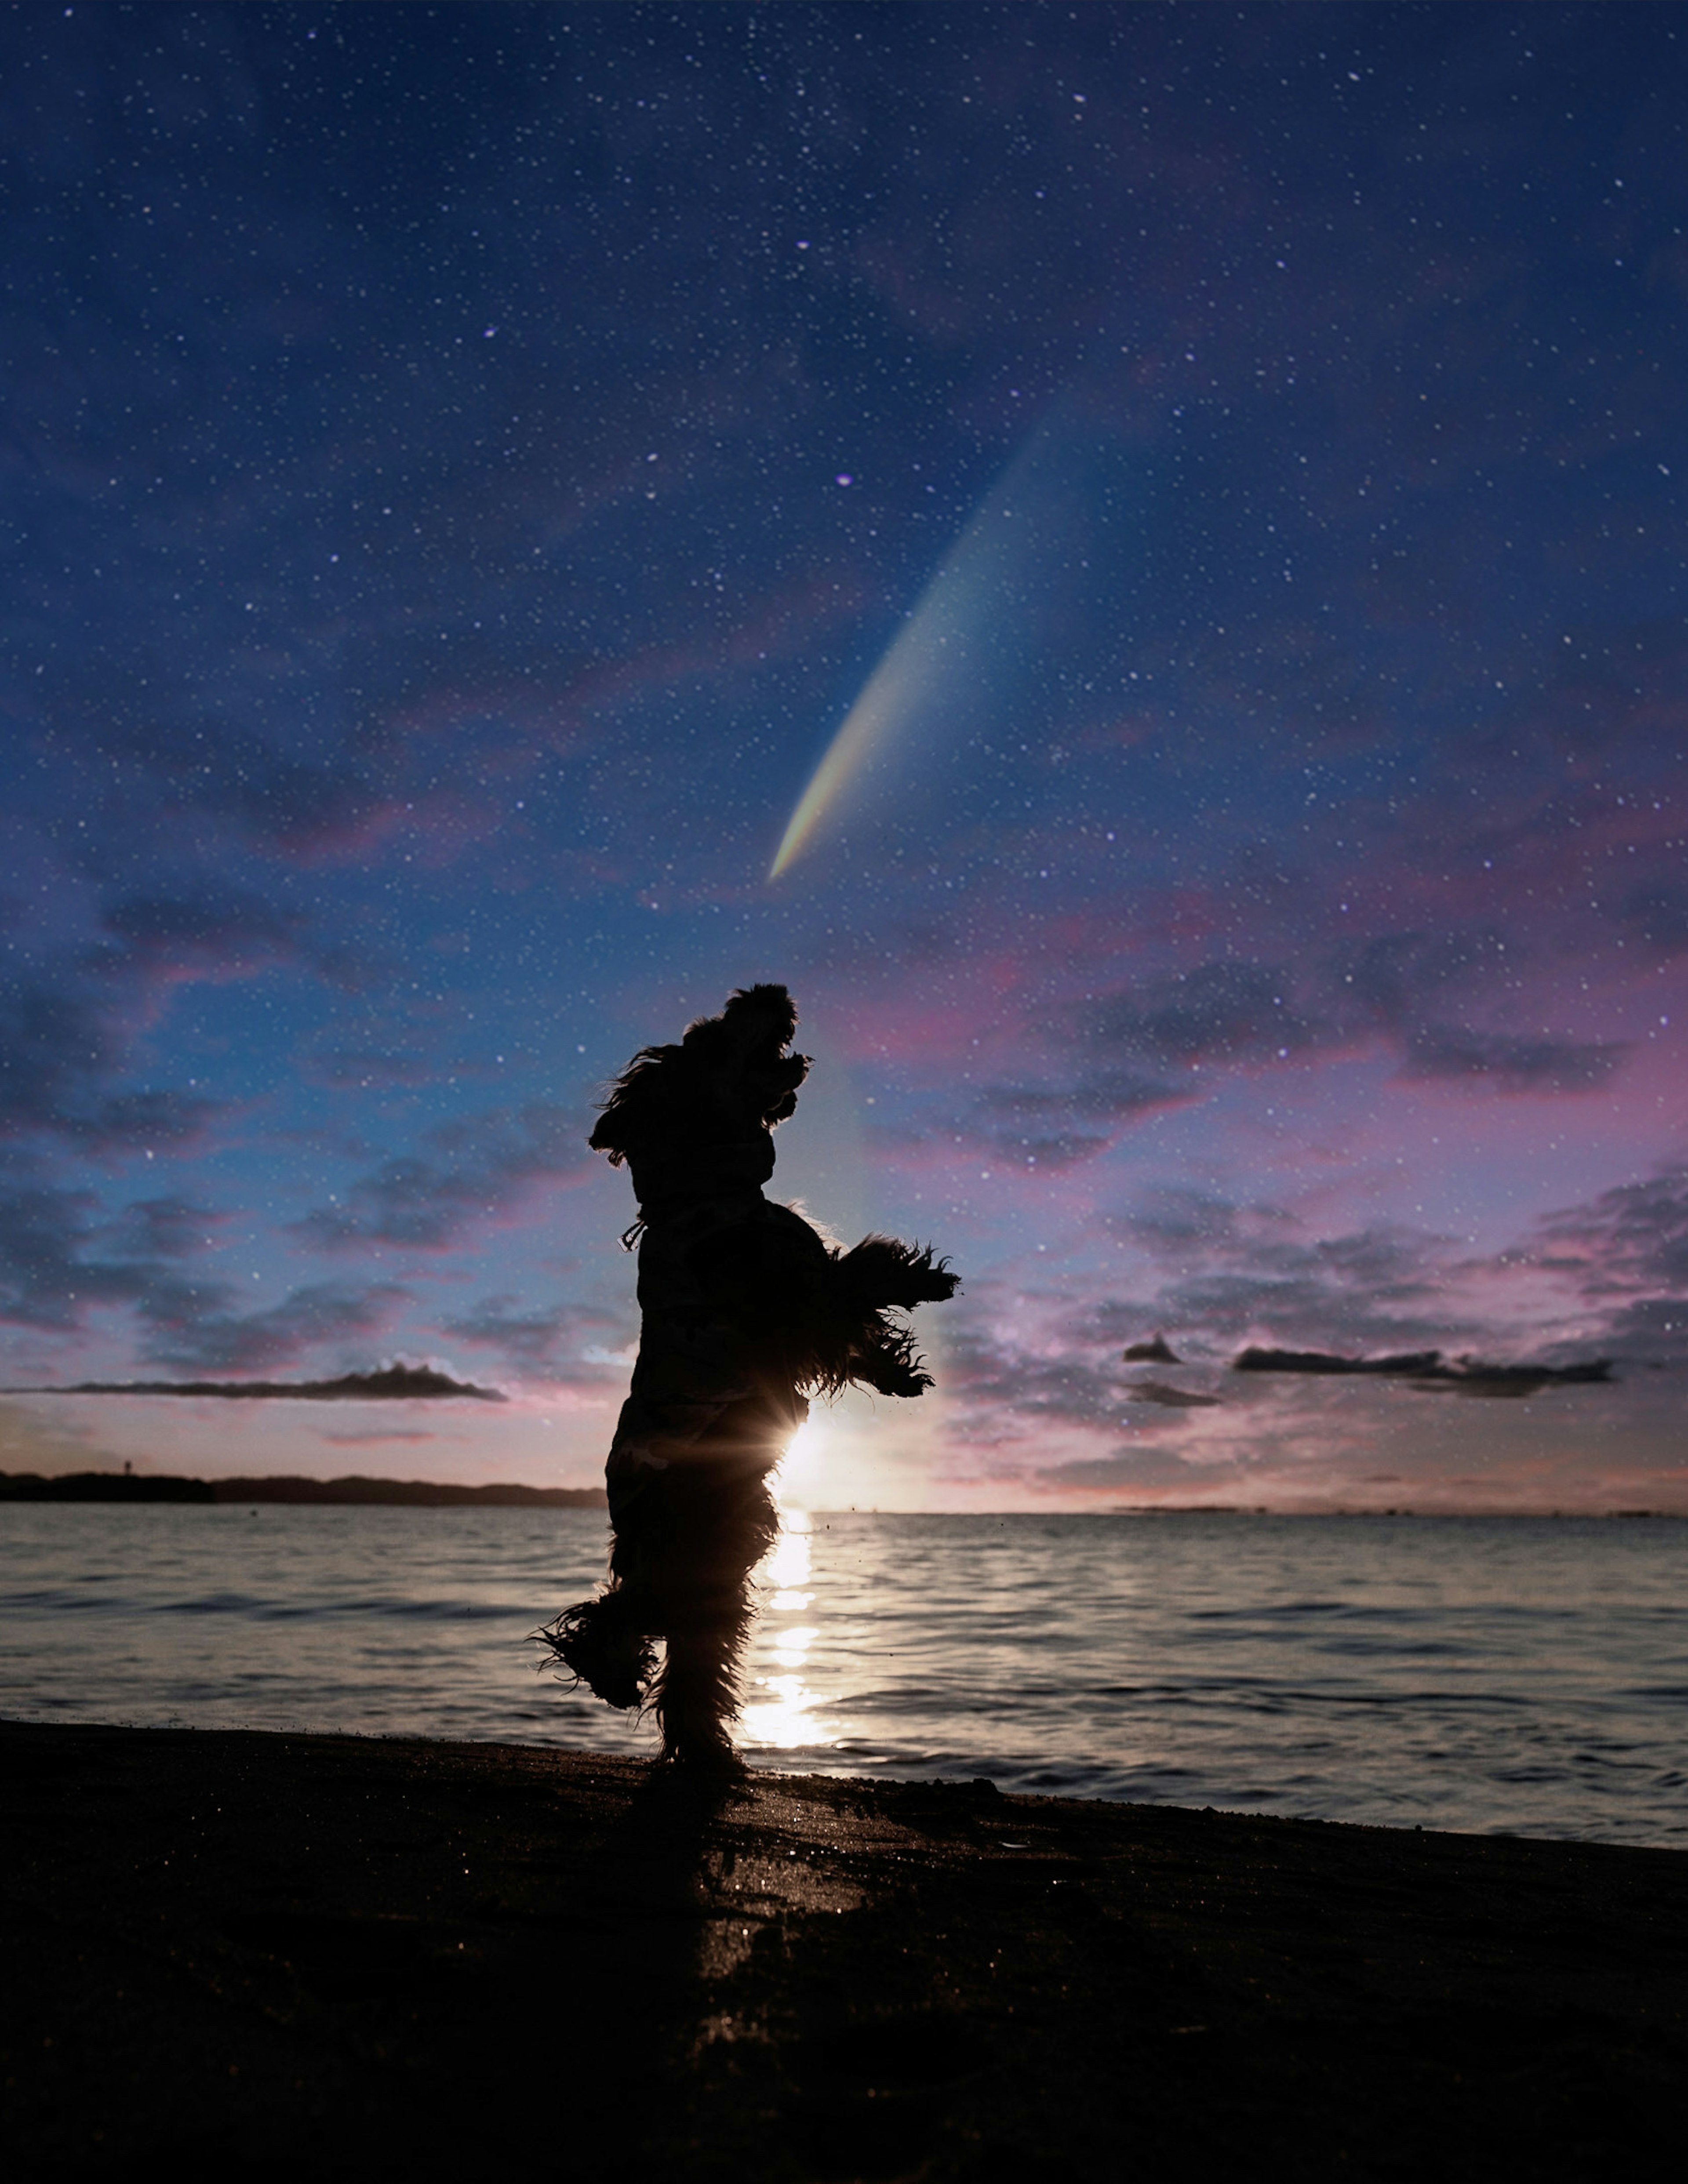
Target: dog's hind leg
(605,1643)
(698,1691)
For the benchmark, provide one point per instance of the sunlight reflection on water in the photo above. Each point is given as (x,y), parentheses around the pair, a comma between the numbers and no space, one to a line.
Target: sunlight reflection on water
(785,1720)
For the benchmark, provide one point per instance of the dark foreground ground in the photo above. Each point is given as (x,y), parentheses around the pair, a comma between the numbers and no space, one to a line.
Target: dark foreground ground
(281,1955)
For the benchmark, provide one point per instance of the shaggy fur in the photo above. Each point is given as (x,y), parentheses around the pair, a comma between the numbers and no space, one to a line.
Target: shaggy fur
(747,1312)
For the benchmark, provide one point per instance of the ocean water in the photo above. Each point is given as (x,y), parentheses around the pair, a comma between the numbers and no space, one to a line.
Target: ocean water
(1515,1674)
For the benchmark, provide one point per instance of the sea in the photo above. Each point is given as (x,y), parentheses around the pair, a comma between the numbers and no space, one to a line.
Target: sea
(1516,1675)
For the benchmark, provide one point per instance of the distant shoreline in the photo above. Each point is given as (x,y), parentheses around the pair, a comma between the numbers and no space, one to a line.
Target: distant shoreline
(357,1491)
(352,1492)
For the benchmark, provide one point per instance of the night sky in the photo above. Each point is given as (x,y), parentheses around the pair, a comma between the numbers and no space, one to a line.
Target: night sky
(1222,467)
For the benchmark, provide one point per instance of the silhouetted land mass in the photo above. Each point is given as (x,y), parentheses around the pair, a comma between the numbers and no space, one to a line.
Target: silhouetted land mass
(1159,1351)
(409,1493)
(1426,1368)
(102,1486)
(361,1957)
(390,1384)
(354,1490)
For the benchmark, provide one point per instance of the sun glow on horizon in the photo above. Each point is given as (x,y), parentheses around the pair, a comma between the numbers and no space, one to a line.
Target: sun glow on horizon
(802,1471)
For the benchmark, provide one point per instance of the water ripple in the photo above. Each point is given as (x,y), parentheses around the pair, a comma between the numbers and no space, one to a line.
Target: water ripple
(1488,1674)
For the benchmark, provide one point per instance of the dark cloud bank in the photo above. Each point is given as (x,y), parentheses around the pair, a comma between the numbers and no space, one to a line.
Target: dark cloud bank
(390,1384)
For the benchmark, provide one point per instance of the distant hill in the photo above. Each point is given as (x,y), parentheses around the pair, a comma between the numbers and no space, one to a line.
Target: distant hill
(398,1383)
(351,1492)
(407,1493)
(101,1486)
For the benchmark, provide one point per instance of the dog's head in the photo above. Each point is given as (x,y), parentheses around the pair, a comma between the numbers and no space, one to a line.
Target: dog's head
(728,1079)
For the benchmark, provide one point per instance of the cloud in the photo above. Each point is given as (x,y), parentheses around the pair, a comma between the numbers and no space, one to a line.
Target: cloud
(1221,1010)
(46,1281)
(60,1047)
(377,1438)
(1169,1398)
(1139,1467)
(57,1265)
(1402,1364)
(1319,1298)
(1055,1129)
(1658,916)
(137,1122)
(167,1227)
(1625,1254)
(1223,1013)
(545,1339)
(52,1046)
(1655,1327)
(1518,1382)
(28,1443)
(225,930)
(478,1170)
(393,1062)
(311,812)
(190,1326)
(1400,981)
(1233,1268)
(1123,1055)
(1394,978)
(998,1381)
(1511,1064)
(388,1384)
(1174,1220)
(1426,1370)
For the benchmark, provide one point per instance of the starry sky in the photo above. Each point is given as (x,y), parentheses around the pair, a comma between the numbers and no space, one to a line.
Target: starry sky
(1210,476)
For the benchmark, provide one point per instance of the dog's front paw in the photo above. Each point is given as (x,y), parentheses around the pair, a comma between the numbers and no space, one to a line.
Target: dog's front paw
(881,1272)
(936,1282)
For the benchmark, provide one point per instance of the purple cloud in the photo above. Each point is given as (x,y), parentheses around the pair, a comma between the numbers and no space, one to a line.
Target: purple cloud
(228,931)
(1626,1254)
(1221,1010)
(1510,1064)
(189,1325)
(543,1341)
(480,1170)
(46,1278)
(1658,916)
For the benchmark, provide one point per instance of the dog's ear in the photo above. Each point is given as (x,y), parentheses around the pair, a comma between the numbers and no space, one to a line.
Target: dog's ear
(729,1075)
(638,1106)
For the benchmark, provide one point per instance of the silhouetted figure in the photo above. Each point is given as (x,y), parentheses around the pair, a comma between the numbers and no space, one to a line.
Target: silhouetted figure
(747,1312)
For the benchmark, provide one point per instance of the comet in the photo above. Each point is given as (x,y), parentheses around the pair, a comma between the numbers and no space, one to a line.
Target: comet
(942,643)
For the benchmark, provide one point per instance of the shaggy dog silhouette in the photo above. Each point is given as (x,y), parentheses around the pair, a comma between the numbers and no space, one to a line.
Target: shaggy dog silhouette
(746,1312)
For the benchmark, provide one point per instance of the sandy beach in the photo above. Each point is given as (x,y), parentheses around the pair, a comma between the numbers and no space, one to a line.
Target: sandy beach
(276,1953)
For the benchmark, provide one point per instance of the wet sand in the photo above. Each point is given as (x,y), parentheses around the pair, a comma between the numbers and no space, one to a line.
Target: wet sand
(270,1954)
